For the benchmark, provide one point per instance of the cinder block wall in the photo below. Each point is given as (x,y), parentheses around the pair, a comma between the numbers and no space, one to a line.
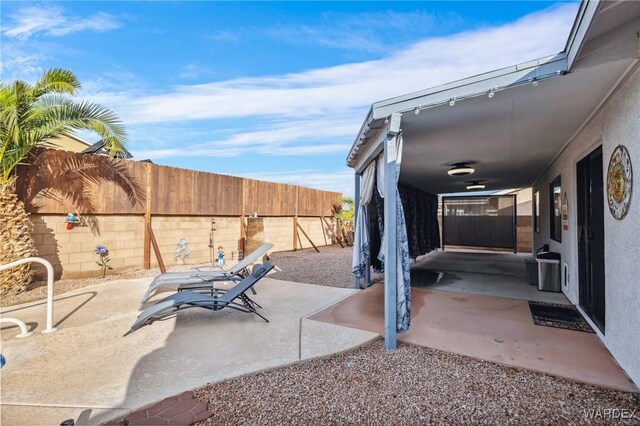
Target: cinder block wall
(72,252)
(169,229)
(525,234)
(316,230)
(279,231)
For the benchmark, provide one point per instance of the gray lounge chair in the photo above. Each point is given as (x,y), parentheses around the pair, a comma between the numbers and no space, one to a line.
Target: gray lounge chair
(234,298)
(202,280)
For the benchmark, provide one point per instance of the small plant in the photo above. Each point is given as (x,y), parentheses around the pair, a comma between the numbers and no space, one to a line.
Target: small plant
(182,250)
(343,212)
(104,259)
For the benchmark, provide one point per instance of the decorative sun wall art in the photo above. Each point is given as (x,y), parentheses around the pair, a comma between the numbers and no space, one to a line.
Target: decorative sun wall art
(619,182)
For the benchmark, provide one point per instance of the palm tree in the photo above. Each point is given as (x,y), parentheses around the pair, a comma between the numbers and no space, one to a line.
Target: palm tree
(30,116)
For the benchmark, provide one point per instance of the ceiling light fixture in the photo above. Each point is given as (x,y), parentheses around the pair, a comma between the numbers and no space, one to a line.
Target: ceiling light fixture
(460,169)
(452,102)
(476,184)
(416,111)
(491,94)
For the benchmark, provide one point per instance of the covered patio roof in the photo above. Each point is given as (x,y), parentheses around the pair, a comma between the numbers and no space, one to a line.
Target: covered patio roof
(510,124)
(534,110)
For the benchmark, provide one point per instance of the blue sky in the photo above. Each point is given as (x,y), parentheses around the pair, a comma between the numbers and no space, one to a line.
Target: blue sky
(273,91)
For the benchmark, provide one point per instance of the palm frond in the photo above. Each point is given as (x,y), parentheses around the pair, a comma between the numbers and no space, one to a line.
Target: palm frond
(57,80)
(30,115)
(74,177)
(90,116)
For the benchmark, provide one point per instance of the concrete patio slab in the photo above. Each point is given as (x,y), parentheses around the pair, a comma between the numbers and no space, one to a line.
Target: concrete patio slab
(88,368)
(490,274)
(494,329)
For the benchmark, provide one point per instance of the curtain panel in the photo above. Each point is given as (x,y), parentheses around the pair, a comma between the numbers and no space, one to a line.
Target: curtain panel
(361,238)
(403,275)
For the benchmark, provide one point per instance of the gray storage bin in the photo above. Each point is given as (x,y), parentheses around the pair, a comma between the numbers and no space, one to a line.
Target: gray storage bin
(532,270)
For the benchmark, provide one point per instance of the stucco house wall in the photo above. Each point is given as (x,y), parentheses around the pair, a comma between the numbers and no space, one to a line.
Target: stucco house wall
(69,143)
(617,123)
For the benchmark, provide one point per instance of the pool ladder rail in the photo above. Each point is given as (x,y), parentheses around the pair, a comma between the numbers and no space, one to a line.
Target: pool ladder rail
(24,331)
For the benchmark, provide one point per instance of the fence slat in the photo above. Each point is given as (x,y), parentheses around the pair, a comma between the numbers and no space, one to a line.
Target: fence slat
(174,191)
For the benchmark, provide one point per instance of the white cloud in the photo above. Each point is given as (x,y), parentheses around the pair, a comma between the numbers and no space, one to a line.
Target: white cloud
(368,31)
(340,180)
(334,91)
(225,36)
(294,138)
(318,111)
(194,71)
(53,21)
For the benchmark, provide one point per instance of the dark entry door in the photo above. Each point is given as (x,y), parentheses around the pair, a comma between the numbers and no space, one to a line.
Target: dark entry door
(591,237)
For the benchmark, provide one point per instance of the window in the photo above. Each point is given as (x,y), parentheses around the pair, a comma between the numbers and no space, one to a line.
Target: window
(555,195)
(536,211)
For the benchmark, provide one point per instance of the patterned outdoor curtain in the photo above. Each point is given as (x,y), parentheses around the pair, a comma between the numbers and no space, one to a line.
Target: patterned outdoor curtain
(361,237)
(421,216)
(421,219)
(403,274)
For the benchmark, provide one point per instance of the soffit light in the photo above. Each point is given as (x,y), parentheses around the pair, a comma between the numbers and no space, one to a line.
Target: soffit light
(460,169)
(476,184)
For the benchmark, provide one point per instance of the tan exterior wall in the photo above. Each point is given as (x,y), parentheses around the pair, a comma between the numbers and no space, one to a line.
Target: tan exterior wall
(72,252)
(67,143)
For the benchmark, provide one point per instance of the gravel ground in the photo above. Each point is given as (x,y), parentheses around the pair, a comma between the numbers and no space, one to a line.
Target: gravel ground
(38,289)
(330,267)
(412,385)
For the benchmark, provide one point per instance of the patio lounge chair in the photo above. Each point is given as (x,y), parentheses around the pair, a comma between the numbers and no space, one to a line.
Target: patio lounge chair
(200,279)
(234,298)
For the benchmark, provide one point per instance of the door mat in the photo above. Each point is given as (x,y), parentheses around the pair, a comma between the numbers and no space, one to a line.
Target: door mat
(558,316)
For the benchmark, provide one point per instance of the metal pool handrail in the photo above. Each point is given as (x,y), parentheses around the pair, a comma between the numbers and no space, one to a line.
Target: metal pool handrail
(50,328)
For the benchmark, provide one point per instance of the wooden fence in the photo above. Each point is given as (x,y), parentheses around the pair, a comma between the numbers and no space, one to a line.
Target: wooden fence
(168,190)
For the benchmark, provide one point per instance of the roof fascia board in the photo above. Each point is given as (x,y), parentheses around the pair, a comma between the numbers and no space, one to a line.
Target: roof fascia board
(468,80)
(363,129)
(587,12)
(576,24)
(371,151)
(501,78)
(374,146)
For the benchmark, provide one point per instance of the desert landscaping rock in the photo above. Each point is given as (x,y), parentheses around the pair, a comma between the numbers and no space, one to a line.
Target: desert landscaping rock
(412,385)
(330,267)
(38,289)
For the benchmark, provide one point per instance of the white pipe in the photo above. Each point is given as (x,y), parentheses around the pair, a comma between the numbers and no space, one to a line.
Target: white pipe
(47,264)
(24,332)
